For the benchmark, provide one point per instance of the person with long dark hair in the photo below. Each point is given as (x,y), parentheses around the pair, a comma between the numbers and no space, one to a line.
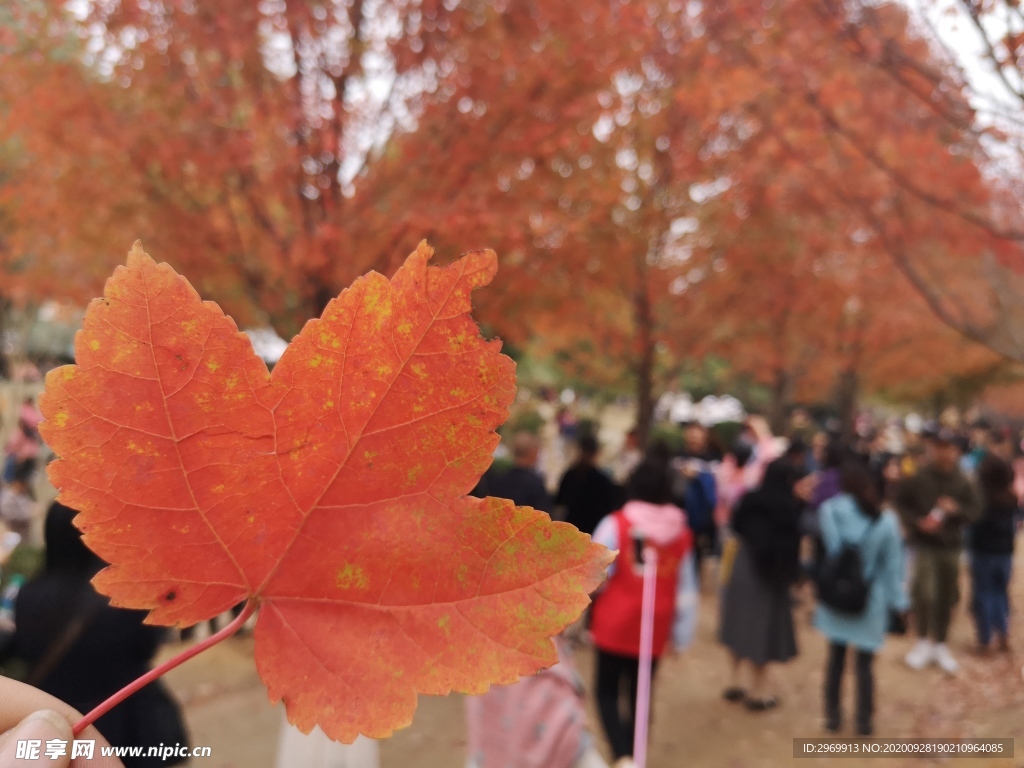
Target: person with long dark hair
(991,548)
(82,650)
(757,614)
(648,519)
(855,517)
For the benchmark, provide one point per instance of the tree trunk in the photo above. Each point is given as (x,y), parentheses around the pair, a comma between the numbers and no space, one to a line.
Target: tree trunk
(644,393)
(5,366)
(847,387)
(644,319)
(778,415)
(322,296)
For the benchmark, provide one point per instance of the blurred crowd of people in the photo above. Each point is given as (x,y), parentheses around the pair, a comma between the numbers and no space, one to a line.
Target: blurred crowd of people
(56,632)
(20,464)
(880,525)
(876,526)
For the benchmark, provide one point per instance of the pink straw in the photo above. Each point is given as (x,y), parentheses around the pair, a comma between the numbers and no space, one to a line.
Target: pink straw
(643,689)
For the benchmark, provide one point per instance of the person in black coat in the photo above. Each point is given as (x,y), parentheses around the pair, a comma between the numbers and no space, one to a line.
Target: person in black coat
(523,483)
(82,650)
(586,493)
(991,547)
(757,616)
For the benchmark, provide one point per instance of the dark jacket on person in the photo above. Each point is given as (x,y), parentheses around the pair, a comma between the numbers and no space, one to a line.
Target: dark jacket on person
(524,486)
(916,496)
(588,495)
(113,649)
(482,489)
(767,520)
(104,648)
(697,495)
(995,532)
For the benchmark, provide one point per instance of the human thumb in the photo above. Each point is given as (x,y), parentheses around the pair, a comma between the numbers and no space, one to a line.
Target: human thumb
(26,743)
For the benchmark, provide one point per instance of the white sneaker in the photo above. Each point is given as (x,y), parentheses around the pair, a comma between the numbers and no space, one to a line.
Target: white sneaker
(922,654)
(624,762)
(945,659)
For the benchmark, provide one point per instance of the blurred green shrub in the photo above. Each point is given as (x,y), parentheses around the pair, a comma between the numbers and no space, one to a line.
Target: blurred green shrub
(670,434)
(525,420)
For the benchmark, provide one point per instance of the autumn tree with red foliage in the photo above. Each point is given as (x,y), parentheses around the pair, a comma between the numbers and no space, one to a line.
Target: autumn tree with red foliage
(950,165)
(715,210)
(664,182)
(806,211)
(229,129)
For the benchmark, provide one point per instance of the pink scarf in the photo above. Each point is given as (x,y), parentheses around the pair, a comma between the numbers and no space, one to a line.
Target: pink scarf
(660,523)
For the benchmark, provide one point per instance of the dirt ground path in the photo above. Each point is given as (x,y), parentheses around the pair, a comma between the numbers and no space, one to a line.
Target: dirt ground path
(227,707)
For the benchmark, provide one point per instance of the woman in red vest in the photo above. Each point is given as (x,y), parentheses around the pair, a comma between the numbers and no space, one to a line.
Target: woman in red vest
(648,519)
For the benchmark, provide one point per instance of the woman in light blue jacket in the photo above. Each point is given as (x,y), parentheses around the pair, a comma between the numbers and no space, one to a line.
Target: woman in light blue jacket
(856,517)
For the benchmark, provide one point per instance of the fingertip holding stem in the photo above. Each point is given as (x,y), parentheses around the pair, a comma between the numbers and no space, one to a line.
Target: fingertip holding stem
(159,671)
(38,728)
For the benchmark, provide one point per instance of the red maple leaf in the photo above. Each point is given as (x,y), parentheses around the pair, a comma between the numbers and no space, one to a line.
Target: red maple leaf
(331,493)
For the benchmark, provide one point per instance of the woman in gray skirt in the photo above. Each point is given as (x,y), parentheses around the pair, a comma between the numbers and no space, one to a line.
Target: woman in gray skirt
(757,618)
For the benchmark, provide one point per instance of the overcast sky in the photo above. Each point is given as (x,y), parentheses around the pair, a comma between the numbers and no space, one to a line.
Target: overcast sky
(954,30)
(959,36)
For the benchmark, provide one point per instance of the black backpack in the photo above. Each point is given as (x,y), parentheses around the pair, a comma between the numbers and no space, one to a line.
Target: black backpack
(840,580)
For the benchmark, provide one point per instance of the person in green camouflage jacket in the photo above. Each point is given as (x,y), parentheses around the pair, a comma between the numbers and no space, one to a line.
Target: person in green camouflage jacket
(936,504)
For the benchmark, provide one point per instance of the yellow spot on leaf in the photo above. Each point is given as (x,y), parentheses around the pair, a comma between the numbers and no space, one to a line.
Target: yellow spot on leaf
(329,340)
(94,345)
(212,366)
(352,577)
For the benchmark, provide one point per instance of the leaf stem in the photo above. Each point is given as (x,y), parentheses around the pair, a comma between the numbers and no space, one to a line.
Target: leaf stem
(153,674)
